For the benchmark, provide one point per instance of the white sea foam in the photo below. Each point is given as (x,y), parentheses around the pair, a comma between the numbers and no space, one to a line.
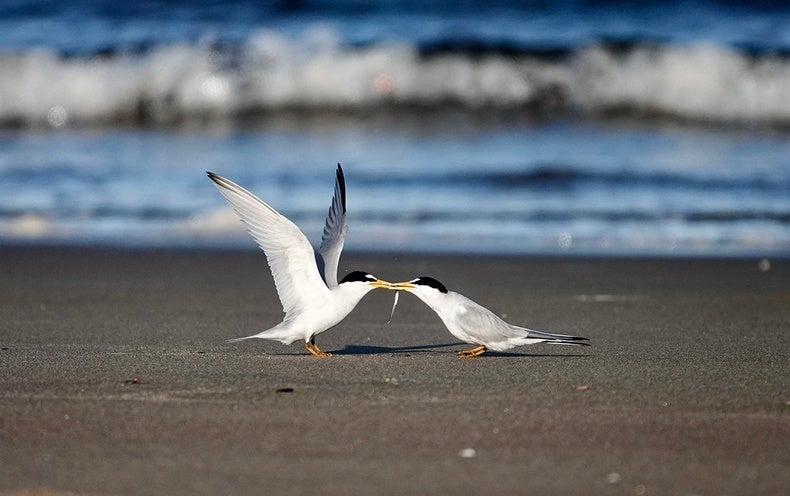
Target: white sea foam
(702,81)
(270,72)
(220,222)
(28,226)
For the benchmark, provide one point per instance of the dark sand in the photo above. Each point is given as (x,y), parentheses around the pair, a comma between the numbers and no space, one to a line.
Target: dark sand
(115,378)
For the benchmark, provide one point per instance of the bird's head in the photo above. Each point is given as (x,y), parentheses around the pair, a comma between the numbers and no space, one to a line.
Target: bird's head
(421,285)
(425,288)
(359,277)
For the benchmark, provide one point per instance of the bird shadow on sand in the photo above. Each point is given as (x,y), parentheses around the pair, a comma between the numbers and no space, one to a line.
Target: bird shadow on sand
(494,354)
(373,350)
(434,348)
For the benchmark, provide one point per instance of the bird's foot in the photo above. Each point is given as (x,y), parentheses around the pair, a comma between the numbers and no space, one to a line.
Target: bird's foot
(478,350)
(315,350)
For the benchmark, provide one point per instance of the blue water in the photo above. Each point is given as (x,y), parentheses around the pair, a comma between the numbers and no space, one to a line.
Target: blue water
(537,127)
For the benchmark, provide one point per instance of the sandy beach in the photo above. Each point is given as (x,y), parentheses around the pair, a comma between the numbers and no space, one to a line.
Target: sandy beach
(116,379)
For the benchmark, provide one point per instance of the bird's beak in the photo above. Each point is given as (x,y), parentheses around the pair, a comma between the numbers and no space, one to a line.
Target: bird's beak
(401,286)
(380,283)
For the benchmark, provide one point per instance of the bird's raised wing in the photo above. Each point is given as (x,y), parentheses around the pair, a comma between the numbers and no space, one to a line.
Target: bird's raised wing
(290,256)
(334,231)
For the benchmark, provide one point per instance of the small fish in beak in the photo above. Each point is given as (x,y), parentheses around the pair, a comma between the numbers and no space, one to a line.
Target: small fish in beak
(394,304)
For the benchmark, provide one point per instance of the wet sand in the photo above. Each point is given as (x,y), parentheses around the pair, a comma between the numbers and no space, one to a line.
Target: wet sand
(115,378)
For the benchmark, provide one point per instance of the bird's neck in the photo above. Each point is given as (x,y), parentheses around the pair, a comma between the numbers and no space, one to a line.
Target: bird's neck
(433,303)
(348,295)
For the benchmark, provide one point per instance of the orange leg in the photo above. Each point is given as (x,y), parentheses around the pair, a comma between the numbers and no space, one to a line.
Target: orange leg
(315,350)
(478,350)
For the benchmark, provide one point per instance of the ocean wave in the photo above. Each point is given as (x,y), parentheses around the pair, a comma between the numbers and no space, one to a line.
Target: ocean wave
(562,176)
(270,73)
(223,220)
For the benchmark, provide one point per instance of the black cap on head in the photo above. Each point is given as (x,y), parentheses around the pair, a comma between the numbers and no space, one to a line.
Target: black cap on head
(430,281)
(358,275)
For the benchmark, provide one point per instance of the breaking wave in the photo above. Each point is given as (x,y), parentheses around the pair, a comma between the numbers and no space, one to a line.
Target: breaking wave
(568,176)
(270,73)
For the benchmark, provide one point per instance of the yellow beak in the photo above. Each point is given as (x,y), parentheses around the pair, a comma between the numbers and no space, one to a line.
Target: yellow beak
(401,286)
(380,283)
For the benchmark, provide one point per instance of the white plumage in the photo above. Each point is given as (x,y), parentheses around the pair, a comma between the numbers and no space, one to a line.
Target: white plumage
(311,305)
(475,324)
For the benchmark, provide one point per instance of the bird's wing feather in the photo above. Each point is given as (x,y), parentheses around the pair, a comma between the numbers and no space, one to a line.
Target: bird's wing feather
(482,324)
(334,231)
(290,256)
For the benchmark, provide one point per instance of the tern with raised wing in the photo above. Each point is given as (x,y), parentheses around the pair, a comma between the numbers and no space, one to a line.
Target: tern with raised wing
(473,323)
(311,304)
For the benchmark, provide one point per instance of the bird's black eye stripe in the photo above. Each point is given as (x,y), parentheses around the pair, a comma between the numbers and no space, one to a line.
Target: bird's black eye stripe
(430,281)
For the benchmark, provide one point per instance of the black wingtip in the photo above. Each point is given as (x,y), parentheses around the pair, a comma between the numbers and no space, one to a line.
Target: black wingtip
(567,342)
(577,340)
(341,180)
(211,175)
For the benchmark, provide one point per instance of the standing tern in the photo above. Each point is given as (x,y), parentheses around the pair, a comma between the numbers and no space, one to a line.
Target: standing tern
(475,324)
(311,305)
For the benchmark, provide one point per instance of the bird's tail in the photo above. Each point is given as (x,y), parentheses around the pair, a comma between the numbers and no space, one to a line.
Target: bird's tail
(549,338)
(281,332)
(242,339)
